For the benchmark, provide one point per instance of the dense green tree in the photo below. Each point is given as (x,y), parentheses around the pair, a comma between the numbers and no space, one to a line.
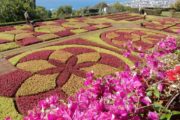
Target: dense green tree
(177,5)
(13,10)
(118,7)
(42,13)
(64,11)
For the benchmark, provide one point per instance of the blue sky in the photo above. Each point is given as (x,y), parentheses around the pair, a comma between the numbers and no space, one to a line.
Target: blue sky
(76,4)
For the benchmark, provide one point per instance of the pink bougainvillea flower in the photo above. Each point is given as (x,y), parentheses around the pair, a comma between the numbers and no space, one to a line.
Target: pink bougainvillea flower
(153,116)
(146,100)
(8,118)
(160,87)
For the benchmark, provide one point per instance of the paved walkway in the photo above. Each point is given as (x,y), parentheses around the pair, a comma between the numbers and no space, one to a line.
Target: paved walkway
(5,66)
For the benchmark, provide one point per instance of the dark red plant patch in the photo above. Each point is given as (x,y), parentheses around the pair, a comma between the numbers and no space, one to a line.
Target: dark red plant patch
(60,21)
(37,24)
(28,41)
(3,41)
(111,60)
(142,44)
(26,103)
(6,28)
(134,58)
(138,32)
(41,55)
(77,51)
(64,33)
(9,83)
(38,33)
(90,28)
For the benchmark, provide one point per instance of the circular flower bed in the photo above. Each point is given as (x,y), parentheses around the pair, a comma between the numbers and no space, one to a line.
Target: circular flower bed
(142,39)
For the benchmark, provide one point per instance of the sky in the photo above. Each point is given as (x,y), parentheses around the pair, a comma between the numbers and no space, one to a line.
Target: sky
(76,4)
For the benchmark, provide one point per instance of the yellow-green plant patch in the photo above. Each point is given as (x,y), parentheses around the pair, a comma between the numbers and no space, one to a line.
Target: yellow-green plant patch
(23,27)
(74,24)
(8,46)
(60,55)
(46,37)
(7,109)
(6,36)
(56,29)
(23,35)
(42,29)
(73,85)
(77,31)
(88,57)
(34,65)
(16,31)
(101,70)
(37,84)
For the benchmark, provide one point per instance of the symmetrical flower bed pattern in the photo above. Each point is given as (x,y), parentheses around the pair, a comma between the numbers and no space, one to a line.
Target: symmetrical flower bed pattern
(142,39)
(55,70)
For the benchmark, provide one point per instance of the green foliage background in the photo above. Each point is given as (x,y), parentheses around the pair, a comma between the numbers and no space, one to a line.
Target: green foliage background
(13,10)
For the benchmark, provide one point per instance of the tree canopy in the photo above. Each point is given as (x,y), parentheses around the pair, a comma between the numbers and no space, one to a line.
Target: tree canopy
(13,10)
(64,10)
(177,5)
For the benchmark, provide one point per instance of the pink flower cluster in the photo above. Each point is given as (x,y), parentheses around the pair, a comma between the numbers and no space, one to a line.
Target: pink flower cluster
(119,97)
(168,45)
(110,98)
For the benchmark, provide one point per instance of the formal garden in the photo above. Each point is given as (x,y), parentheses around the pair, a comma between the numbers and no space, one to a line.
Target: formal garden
(116,66)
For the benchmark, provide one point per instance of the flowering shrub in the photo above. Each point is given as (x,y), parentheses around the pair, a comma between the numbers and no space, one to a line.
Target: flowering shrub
(131,94)
(173,74)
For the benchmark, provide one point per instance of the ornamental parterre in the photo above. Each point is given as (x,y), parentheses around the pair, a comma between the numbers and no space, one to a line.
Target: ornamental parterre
(142,40)
(54,70)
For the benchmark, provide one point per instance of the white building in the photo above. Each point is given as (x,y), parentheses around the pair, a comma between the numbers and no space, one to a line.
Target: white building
(150,3)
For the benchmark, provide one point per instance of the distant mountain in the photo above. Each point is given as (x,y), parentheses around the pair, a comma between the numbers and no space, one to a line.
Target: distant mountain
(150,3)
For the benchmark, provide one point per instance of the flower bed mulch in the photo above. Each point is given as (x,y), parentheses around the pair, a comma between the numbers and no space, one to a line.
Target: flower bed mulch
(141,39)
(58,69)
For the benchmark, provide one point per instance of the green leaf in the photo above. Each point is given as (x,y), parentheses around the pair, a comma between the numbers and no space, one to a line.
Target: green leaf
(165,117)
(149,93)
(157,93)
(176,112)
(157,106)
